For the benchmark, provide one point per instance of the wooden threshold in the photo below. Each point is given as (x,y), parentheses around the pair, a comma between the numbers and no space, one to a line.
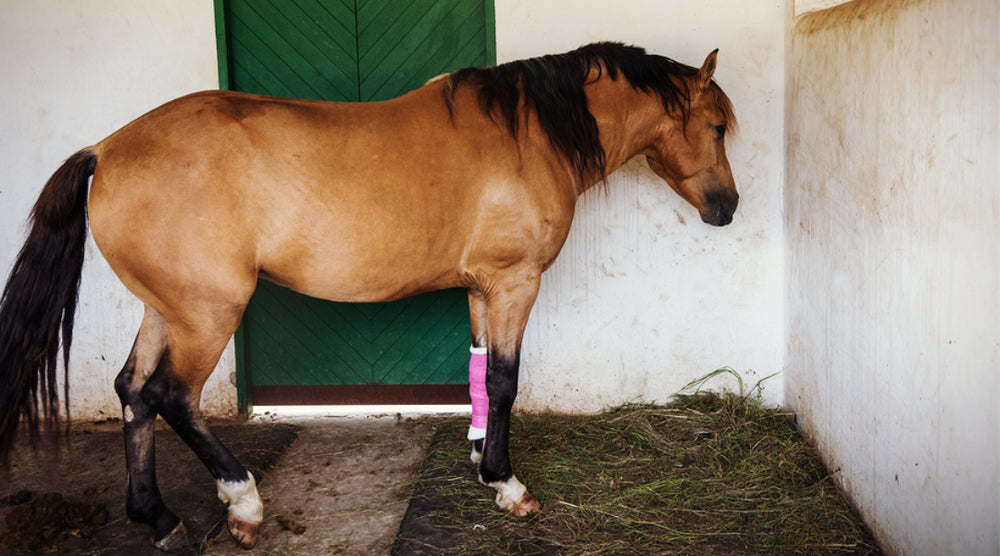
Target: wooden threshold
(366,394)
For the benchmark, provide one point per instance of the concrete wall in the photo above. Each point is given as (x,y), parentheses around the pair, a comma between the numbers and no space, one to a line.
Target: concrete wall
(72,72)
(893,257)
(644,296)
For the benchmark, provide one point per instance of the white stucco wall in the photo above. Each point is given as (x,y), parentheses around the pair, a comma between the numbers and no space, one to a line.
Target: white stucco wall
(893,250)
(644,296)
(73,71)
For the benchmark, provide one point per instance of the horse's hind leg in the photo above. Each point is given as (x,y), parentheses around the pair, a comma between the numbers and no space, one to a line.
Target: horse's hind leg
(144,503)
(174,392)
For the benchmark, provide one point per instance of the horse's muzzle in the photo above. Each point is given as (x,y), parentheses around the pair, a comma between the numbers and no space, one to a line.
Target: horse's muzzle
(721,206)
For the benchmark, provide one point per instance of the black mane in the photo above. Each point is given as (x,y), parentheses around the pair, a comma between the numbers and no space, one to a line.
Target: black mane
(553,86)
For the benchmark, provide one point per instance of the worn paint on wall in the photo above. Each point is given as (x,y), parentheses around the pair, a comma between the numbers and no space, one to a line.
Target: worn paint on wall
(893,251)
(72,72)
(644,297)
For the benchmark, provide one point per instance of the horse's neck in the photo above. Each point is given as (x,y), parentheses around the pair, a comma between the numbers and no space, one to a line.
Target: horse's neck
(628,121)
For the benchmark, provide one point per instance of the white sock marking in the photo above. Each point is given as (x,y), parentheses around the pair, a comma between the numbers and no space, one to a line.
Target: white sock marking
(243,498)
(509,492)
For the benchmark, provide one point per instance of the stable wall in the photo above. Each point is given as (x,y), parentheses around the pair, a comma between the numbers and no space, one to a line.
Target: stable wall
(73,71)
(893,258)
(645,297)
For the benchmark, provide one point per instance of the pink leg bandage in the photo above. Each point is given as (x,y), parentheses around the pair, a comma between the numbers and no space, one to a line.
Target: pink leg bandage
(477,392)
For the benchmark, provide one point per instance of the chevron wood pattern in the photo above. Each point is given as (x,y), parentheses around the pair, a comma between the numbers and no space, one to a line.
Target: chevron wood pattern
(303,48)
(403,44)
(353,50)
(300,340)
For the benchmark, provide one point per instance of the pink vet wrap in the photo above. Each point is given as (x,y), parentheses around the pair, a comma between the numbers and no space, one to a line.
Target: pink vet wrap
(477,387)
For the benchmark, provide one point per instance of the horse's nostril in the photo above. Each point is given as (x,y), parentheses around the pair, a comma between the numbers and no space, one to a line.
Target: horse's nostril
(721,207)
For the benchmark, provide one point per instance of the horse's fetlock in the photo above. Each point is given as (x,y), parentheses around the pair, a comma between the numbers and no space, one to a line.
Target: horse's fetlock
(489,477)
(150,510)
(477,451)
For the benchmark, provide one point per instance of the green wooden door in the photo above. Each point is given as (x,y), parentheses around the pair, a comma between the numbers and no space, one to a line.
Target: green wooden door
(294,349)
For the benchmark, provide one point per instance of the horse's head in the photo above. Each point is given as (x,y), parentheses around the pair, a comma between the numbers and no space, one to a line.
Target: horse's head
(689,153)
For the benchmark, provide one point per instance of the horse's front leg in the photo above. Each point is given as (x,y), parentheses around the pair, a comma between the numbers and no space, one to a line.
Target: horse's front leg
(477,374)
(495,469)
(508,311)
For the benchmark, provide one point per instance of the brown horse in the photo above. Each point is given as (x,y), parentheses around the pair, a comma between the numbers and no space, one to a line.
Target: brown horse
(470,181)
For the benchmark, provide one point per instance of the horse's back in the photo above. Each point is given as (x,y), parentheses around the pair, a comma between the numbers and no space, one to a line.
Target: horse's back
(352,202)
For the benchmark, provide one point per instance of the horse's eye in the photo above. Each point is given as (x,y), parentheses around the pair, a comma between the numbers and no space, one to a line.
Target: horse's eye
(721,130)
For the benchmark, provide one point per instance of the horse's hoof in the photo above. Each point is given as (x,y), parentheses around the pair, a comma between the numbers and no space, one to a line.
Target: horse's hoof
(526,505)
(515,498)
(243,532)
(176,539)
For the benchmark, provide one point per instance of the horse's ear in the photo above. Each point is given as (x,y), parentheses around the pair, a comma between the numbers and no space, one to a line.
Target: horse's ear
(707,70)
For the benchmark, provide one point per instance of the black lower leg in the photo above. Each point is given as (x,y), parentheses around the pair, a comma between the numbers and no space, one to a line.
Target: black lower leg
(501,387)
(143,503)
(171,399)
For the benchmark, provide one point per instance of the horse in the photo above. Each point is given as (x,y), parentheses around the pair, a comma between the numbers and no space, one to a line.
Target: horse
(469,181)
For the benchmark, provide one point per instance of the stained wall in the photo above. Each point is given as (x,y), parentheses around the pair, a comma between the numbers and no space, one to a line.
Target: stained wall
(893,263)
(73,71)
(645,297)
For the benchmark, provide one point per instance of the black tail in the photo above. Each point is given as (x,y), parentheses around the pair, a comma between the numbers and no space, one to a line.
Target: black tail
(40,300)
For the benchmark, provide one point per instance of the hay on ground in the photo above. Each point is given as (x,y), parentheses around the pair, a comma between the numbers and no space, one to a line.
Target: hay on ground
(707,474)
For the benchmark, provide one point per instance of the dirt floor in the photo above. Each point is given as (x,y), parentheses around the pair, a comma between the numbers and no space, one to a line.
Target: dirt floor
(706,475)
(342,487)
(338,486)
